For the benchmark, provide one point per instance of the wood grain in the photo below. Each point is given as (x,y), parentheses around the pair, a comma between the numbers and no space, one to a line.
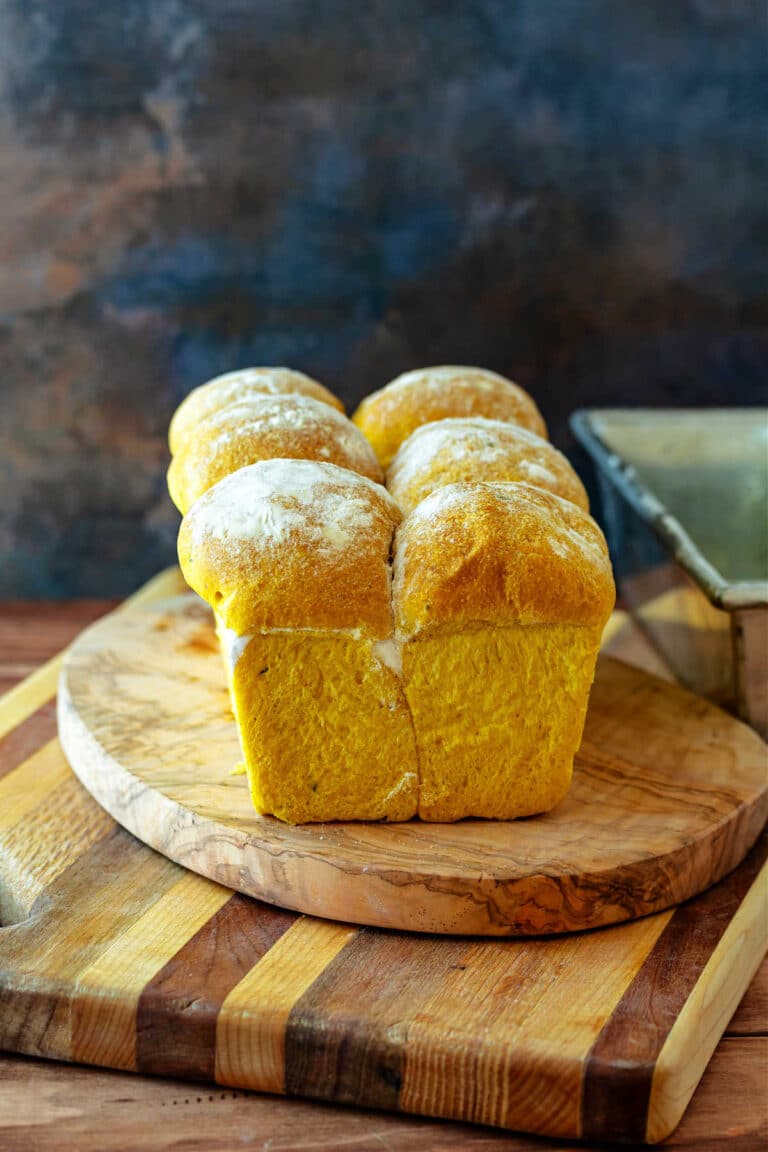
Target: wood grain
(22,741)
(750,640)
(250,1036)
(104,1026)
(47,629)
(193,985)
(751,1016)
(125,958)
(47,1108)
(669,793)
(476,1051)
(710,1005)
(632,1095)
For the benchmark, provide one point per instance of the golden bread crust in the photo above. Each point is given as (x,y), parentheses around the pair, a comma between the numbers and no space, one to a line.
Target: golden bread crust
(389,416)
(263,427)
(293,544)
(473,449)
(232,386)
(499,554)
(454,679)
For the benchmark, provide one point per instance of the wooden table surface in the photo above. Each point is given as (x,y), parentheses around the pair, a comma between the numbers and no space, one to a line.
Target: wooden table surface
(44,1105)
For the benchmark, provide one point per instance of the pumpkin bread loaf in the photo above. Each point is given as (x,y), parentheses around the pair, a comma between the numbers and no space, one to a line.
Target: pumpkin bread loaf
(473,449)
(294,558)
(262,427)
(389,416)
(233,386)
(501,593)
(449,682)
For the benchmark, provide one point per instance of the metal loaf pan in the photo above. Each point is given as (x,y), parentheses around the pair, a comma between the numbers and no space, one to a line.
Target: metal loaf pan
(684,495)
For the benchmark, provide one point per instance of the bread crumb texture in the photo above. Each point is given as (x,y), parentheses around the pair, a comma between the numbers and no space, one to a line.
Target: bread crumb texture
(325,729)
(498,715)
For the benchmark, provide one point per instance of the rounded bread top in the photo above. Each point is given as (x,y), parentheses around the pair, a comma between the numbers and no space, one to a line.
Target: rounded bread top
(232,386)
(293,544)
(505,553)
(262,428)
(473,449)
(389,416)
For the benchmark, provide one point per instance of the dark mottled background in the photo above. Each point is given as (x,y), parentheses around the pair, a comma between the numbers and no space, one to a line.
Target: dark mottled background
(573,193)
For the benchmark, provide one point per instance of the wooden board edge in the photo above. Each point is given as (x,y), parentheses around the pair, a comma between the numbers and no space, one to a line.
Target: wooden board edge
(715,997)
(618,1072)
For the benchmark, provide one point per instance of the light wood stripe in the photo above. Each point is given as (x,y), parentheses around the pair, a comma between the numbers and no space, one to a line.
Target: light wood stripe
(104,1025)
(27,865)
(31,783)
(28,696)
(715,997)
(121,884)
(616,621)
(250,1031)
(502,1039)
(169,582)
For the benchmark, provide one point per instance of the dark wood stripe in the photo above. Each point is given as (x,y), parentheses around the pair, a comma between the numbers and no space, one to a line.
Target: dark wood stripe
(178,1008)
(27,737)
(345,1039)
(618,1074)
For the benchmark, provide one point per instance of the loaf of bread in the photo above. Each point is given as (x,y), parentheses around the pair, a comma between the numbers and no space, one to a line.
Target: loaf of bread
(234,386)
(501,593)
(384,667)
(472,449)
(263,427)
(294,558)
(389,416)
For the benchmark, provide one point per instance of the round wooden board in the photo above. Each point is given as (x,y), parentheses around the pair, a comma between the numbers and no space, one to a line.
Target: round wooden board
(669,793)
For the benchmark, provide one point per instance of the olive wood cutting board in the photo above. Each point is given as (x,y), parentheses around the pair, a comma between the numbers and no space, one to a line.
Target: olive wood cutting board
(114,955)
(669,794)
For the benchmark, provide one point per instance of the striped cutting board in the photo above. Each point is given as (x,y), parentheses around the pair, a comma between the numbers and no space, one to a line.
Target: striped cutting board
(116,956)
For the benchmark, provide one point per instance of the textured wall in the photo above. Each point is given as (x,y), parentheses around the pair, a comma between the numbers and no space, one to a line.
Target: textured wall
(570,192)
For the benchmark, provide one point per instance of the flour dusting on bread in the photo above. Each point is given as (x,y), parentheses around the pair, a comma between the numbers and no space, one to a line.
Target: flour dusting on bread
(232,386)
(269,501)
(473,449)
(263,427)
(389,416)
